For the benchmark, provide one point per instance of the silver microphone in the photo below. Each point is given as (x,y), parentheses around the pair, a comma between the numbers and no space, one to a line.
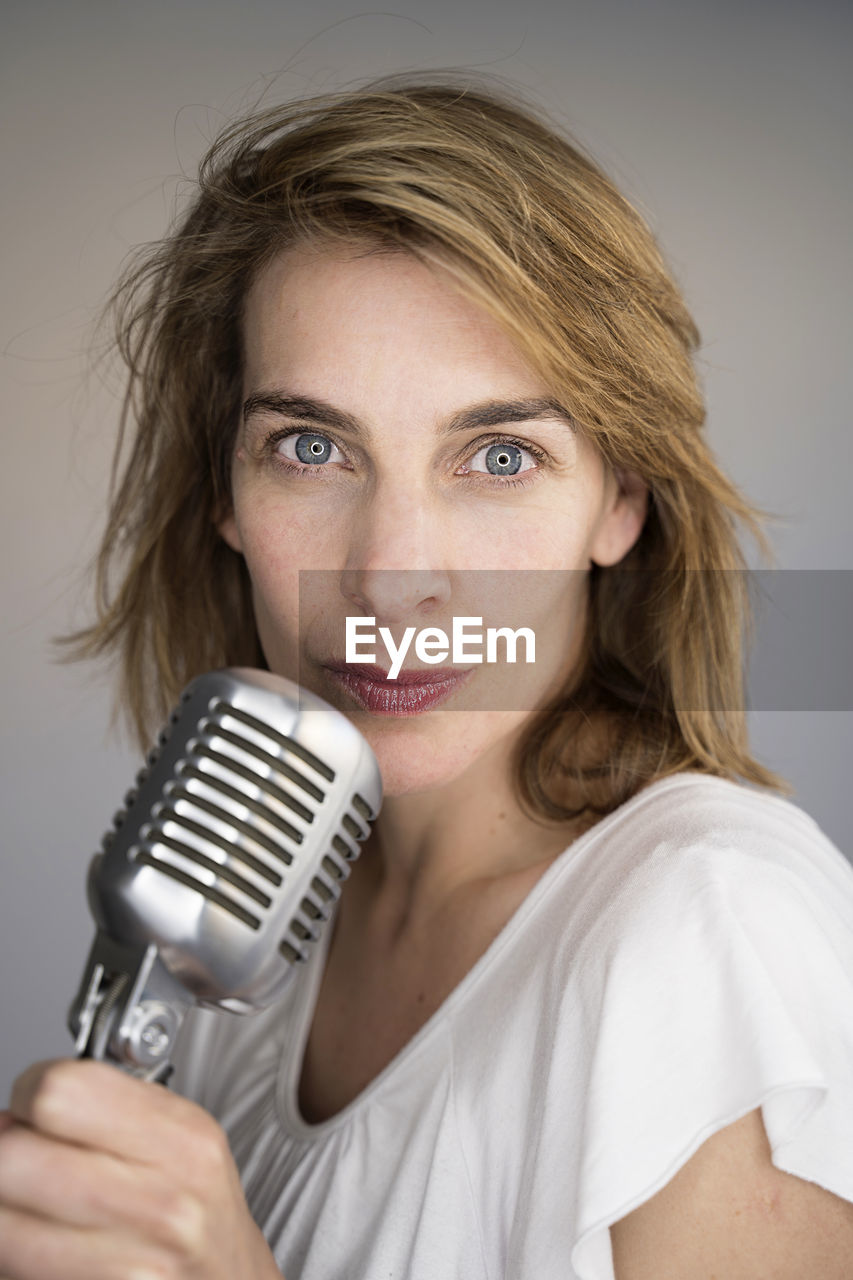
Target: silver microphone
(224,864)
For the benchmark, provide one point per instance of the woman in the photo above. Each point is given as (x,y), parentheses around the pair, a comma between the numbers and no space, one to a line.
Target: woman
(409,344)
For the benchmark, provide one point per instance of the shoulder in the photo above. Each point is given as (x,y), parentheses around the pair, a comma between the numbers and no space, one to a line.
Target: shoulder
(700,810)
(697,902)
(724,923)
(712,849)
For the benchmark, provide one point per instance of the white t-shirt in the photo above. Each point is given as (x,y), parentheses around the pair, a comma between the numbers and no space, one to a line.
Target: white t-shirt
(687,960)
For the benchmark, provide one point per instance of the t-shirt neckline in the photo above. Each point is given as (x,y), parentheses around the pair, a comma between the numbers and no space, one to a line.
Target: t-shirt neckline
(299,1024)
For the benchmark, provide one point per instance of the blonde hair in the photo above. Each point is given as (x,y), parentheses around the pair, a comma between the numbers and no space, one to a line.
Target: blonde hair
(532,230)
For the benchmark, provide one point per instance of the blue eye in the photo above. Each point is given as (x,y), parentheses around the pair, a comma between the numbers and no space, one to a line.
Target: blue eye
(309,447)
(502,458)
(313,448)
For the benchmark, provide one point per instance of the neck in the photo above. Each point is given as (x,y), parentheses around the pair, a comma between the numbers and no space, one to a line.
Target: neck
(430,846)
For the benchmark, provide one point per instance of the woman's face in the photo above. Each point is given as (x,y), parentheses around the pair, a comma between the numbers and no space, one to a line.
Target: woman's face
(399,456)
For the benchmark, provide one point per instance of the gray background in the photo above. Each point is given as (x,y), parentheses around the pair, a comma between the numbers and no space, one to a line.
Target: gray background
(729,123)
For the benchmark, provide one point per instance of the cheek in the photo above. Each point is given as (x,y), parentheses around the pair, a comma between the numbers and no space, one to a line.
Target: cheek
(564,620)
(553,605)
(550,537)
(295,595)
(270,550)
(277,630)
(274,569)
(563,625)
(277,539)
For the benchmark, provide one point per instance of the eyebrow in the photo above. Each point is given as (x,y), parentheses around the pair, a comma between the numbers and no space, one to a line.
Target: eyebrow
(492,413)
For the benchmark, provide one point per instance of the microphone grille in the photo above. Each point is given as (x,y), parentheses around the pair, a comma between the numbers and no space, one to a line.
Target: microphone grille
(244,822)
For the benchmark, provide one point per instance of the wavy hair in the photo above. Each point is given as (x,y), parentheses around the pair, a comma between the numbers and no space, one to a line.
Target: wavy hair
(536,234)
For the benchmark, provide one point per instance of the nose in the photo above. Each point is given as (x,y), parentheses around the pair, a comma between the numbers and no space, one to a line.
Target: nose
(396,564)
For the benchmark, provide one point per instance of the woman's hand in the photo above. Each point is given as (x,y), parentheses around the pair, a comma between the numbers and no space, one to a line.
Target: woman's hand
(104,1177)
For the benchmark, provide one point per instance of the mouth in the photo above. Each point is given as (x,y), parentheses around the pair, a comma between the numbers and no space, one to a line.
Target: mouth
(412,692)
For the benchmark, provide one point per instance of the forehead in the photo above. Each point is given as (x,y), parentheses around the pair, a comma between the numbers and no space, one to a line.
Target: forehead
(318,312)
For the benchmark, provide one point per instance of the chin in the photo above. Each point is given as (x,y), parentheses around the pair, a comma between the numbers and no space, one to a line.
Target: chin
(424,754)
(409,773)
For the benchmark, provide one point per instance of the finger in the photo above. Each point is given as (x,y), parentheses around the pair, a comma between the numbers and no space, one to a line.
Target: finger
(32,1248)
(96,1105)
(83,1188)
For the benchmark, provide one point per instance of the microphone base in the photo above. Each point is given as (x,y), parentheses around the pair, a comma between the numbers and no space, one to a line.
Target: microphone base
(128,1009)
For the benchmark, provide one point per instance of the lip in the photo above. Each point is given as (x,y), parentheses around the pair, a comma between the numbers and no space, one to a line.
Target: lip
(413,691)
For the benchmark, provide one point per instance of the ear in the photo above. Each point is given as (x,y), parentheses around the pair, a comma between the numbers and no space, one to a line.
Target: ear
(229,532)
(621,524)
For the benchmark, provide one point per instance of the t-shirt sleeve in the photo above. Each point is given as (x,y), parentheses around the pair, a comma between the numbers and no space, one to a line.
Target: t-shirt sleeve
(723,979)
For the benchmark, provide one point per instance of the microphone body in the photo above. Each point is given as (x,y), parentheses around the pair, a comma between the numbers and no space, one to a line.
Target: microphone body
(224,864)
